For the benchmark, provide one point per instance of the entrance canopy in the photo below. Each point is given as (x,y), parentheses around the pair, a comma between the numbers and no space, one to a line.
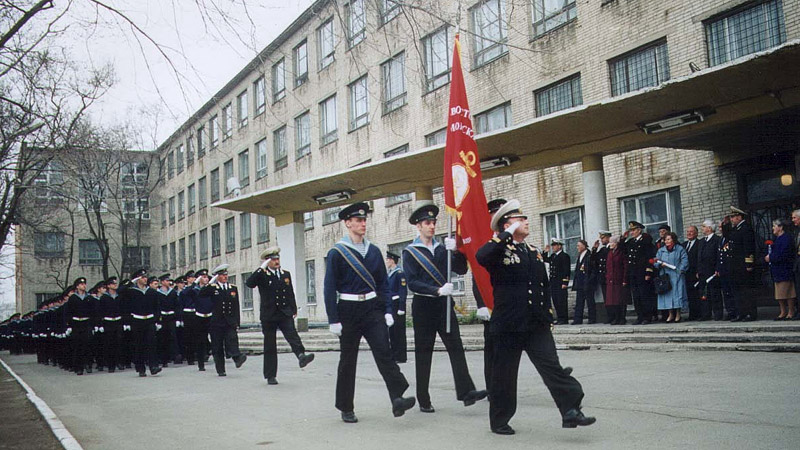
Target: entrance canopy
(736,110)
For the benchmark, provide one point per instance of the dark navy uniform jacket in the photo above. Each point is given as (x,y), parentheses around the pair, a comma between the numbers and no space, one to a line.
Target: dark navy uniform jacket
(742,248)
(276,292)
(225,304)
(339,277)
(186,300)
(396,280)
(141,302)
(707,256)
(202,301)
(519,282)
(110,307)
(638,255)
(79,307)
(560,268)
(168,304)
(419,281)
(598,265)
(582,273)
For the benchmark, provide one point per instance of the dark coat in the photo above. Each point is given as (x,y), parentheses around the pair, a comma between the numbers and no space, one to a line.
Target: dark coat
(581,280)
(741,239)
(560,268)
(276,292)
(781,258)
(226,304)
(598,266)
(707,256)
(691,273)
(638,253)
(616,275)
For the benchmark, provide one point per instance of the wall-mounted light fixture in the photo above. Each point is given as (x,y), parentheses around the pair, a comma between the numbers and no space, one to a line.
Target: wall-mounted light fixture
(670,123)
(333,197)
(787,179)
(498,162)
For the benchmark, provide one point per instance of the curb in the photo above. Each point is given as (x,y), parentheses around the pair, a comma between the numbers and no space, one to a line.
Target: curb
(63,435)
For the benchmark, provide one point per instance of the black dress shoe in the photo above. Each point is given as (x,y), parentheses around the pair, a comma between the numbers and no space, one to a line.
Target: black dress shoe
(155,370)
(474,396)
(305,359)
(402,404)
(567,370)
(427,409)
(88,370)
(575,322)
(79,372)
(575,418)
(645,322)
(240,360)
(749,318)
(504,430)
(201,369)
(349,417)
(142,374)
(222,374)
(736,319)
(272,380)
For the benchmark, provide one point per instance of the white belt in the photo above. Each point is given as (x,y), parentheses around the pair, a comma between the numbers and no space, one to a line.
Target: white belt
(112,319)
(188,309)
(137,316)
(395,297)
(358,297)
(167,313)
(80,319)
(203,315)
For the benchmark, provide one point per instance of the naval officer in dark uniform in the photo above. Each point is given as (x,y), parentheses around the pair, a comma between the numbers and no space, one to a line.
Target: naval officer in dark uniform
(425,262)
(742,247)
(79,314)
(639,250)
(521,321)
(142,303)
(278,310)
(225,319)
(358,303)
(560,271)
(396,279)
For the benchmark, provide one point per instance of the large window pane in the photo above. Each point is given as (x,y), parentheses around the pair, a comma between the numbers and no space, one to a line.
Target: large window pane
(653,210)
(325,44)
(489,31)
(300,63)
(359,103)
(642,68)
(562,95)
(327,120)
(278,80)
(394,83)
(279,147)
(302,127)
(745,31)
(356,23)
(494,119)
(550,14)
(437,58)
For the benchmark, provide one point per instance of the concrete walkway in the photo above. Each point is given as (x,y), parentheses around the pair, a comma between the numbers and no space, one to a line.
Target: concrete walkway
(700,400)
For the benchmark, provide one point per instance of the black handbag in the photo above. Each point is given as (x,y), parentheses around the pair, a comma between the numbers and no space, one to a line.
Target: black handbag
(663,285)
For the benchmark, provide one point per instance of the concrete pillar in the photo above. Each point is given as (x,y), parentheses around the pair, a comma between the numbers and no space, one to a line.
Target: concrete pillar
(594,197)
(290,236)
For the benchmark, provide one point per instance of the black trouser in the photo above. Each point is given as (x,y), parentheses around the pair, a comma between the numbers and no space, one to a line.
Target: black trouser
(713,303)
(614,313)
(126,346)
(488,355)
(430,319)
(81,348)
(365,319)
(541,349)
(224,341)
(269,328)
(144,344)
(189,338)
(559,297)
(200,339)
(697,308)
(397,334)
(643,298)
(743,295)
(584,296)
(96,343)
(112,334)
(726,285)
(168,341)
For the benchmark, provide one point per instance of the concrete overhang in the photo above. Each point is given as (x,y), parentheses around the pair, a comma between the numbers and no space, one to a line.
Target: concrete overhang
(734,98)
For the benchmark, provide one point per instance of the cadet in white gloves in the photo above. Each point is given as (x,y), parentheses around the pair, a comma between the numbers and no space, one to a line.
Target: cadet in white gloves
(425,264)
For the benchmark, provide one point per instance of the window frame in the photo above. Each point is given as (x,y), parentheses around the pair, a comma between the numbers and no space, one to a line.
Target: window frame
(558,218)
(495,48)
(672,201)
(191,193)
(325,60)
(216,243)
(433,81)
(280,161)
(261,158)
(541,26)
(326,135)
(230,234)
(302,149)
(278,80)
(355,36)
(259,220)
(203,248)
(215,194)
(359,120)
(242,110)
(772,39)
(397,99)
(202,194)
(311,282)
(550,90)
(245,230)
(244,167)
(300,78)
(628,57)
(508,119)
(181,198)
(260,96)
(227,122)
(213,132)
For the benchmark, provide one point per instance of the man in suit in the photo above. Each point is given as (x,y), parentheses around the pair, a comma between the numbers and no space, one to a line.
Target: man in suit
(707,257)
(584,295)
(639,249)
(663,231)
(225,319)
(741,239)
(521,321)
(278,310)
(796,223)
(560,268)
(396,279)
(597,277)
(693,287)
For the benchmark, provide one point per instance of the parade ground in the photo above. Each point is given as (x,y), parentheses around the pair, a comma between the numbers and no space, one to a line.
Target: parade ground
(642,399)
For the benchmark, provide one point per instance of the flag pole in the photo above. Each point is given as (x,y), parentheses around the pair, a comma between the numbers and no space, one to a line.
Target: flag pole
(449,271)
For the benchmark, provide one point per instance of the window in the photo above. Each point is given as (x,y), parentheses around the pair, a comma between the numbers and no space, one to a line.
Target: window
(394,83)
(436,47)
(228,168)
(182,252)
(327,120)
(568,227)
(136,208)
(213,132)
(43,297)
(279,80)
(489,30)
(49,177)
(648,66)
(164,257)
(279,147)
(247,293)
(192,196)
(241,108)
(744,31)
(244,168)
(245,235)
(311,283)
(192,249)
(172,256)
(399,198)
(230,235)
(561,95)
(227,121)
(389,10)
(261,159)
(331,215)
(214,185)
(308,220)
(163,214)
(325,44)
(302,129)
(359,103)
(179,158)
(262,229)
(653,209)
(181,205)
(356,23)
(190,151)
(203,244)
(300,61)
(201,142)
(551,14)
(202,193)
(48,244)
(89,253)
(438,137)
(494,119)
(137,258)
(260,89)
(171,165)
(215,241)
(171,203)
(133,174)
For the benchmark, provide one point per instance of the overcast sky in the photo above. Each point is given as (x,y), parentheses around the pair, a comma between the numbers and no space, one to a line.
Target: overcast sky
(207,43)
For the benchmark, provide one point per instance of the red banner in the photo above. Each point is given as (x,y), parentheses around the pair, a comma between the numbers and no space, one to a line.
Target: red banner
(463,186)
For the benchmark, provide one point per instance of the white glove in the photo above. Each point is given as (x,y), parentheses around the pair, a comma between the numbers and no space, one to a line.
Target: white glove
(264,264)
(511,229)
(401,313)
(95,330)
(213,280)
(126,328)
(389,319)
(450,244)
(483,314)
(102,330)
(446,289)
(69,331)
(158,327)
(336,329)
(179,323)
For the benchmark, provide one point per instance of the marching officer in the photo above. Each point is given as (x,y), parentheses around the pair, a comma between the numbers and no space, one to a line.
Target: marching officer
(79,314)
(639,250)
(204,310)
(97,291)
(142,300)
(521,321)
(278,310)
(560,270)
(225,319)
(425,263)
(358,303)
(741,240)
(186,299)
(111,316)
(167,337)
(396,280)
